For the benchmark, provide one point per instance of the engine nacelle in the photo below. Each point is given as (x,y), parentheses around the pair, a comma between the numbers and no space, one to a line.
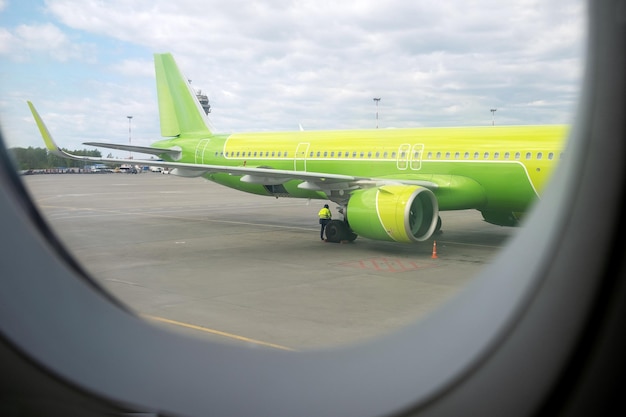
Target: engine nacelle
(401,213)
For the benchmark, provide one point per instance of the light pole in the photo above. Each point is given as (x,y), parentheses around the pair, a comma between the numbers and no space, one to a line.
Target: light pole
(376,99)
(493,117)
(130,155)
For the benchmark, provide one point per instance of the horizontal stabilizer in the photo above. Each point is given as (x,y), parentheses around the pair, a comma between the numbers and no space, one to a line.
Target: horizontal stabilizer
(173,152)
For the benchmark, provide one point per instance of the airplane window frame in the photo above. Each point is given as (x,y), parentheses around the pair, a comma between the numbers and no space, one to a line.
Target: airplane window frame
(425,369)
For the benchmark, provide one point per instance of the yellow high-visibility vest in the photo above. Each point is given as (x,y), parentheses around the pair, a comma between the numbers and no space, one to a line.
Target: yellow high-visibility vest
(324,213)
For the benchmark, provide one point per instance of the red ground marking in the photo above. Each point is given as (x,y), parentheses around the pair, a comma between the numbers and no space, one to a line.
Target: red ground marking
(387,264)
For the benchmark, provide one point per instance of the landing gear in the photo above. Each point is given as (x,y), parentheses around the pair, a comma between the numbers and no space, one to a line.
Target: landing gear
(338,230)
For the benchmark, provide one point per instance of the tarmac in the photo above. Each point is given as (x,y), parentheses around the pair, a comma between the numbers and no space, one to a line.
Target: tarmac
(209,261)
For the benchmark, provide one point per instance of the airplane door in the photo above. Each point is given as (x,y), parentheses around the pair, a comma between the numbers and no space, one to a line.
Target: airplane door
(403,156)
(299,162)
(200,147)
(416,156)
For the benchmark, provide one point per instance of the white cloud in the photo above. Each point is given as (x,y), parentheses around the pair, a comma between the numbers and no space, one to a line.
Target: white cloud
(134,68)
(6,41)
(273,64)
(44,38)
(41,37)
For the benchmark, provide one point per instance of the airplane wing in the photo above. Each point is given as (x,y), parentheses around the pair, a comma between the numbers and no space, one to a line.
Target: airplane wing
(255,175)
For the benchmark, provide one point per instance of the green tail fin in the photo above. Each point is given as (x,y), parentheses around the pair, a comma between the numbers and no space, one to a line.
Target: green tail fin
(179,109)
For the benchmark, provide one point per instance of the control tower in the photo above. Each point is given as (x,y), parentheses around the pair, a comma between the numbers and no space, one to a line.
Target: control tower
(204,101)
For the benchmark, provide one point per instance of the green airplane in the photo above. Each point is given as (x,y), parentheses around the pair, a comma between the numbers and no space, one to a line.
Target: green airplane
(390,184)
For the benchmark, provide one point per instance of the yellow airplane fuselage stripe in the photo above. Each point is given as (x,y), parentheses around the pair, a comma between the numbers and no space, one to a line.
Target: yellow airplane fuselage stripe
(485,144)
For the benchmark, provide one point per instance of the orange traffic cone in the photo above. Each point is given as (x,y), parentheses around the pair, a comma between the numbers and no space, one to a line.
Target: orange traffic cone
(434,250)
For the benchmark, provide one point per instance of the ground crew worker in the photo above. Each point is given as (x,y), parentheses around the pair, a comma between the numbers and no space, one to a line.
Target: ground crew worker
(325,216)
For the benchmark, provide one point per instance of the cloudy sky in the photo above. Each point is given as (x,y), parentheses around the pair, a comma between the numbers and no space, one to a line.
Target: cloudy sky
(272,65)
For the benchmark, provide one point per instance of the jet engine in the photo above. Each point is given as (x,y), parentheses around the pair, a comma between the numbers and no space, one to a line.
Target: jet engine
(401,213)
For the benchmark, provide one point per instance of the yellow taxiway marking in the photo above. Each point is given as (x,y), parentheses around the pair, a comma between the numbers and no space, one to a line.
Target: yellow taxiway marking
(216,332)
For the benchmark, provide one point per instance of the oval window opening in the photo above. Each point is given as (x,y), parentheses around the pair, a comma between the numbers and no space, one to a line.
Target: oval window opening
(231,250)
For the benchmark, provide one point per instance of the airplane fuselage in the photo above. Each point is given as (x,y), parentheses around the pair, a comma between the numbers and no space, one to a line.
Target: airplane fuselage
(486,168)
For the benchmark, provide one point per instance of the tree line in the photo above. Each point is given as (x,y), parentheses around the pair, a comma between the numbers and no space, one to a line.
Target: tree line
(40,158)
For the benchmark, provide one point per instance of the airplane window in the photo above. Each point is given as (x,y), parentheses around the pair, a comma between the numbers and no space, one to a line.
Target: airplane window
(539,155)
(463,369)
(496,155)
(486,155)
(517,155)
(507,155)
(528,155)
(250,273)
(152,224)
